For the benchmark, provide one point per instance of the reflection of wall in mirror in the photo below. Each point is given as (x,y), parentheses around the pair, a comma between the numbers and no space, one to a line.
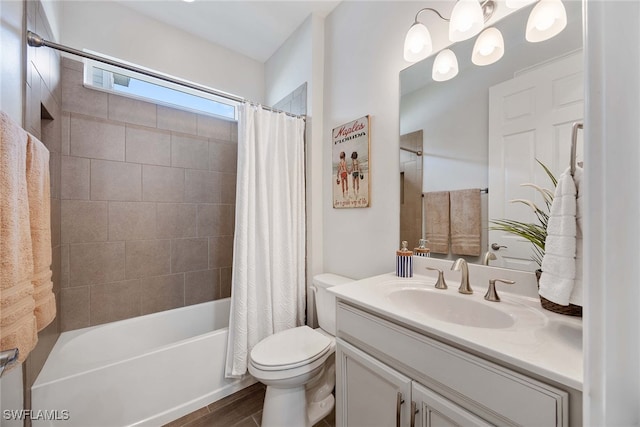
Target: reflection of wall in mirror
(454,114)
(411,188)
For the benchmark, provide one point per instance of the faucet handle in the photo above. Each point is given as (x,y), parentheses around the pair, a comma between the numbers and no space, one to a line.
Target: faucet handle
(440,284)
(492,294)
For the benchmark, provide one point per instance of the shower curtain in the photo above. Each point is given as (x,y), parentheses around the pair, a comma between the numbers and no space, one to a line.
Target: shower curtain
(268,282)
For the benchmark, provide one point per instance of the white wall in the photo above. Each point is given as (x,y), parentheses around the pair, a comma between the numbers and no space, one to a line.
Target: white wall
(301,59)
(113,29)
(363,48)
(11,64)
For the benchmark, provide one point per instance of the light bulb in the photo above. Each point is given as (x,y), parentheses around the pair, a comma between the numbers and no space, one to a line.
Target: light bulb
(547,19)
(445,66)
(489,47)
(467,20)
(417,43)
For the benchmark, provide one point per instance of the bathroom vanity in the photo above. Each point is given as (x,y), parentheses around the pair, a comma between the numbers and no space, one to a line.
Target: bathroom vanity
(411,355)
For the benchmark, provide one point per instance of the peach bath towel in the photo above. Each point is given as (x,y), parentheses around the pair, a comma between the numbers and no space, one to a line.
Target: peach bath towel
(465,222)
(436,205)
(17,319)
(40,219)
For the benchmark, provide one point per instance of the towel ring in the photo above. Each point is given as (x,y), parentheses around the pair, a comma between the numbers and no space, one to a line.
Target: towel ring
(574,143)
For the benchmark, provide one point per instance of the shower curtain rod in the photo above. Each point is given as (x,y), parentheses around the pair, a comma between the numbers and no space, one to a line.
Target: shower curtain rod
(35,40)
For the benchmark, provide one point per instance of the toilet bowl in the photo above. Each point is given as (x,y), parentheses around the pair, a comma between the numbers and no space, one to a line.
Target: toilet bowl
(298,365)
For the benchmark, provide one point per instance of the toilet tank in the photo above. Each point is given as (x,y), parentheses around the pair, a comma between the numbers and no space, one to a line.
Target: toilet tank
(326,301)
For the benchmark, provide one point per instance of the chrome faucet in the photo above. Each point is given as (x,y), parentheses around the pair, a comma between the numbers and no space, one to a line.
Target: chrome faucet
(491,294)
(461,265)
(488,256)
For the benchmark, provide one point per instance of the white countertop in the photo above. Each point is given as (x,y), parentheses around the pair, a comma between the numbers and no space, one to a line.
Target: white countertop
(541,342)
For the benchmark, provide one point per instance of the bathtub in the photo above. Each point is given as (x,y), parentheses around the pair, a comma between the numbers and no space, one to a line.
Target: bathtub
(144,371)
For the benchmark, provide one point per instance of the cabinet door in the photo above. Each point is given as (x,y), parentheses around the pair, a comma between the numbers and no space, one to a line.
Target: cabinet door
(433,410)
(368,392)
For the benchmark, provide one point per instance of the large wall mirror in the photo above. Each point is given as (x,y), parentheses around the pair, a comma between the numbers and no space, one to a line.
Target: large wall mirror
(487,114)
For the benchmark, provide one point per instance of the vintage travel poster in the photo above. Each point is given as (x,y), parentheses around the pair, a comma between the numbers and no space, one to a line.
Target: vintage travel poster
(350,161)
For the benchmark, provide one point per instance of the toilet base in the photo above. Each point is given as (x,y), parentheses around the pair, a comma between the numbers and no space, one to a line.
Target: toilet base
(285,407)
(318,410)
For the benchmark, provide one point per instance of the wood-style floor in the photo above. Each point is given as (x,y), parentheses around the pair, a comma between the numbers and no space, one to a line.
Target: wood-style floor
(241,409)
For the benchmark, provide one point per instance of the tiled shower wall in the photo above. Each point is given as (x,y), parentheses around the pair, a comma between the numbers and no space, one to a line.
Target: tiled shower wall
(148,205)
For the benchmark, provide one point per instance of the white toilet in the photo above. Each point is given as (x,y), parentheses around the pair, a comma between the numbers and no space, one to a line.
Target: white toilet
(298,365)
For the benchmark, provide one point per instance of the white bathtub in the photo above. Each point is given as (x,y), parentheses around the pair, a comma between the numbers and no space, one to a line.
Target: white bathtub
(144,371)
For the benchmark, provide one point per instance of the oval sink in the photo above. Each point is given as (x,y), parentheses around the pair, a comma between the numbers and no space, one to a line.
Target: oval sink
(461,310)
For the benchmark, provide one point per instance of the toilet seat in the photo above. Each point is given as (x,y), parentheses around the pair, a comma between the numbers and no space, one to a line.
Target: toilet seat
(290,349)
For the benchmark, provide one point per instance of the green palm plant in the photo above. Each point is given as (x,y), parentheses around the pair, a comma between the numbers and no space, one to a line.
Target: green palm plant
(536,233)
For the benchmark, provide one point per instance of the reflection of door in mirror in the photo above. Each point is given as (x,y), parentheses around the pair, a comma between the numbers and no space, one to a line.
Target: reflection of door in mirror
(533,114)
(411,187)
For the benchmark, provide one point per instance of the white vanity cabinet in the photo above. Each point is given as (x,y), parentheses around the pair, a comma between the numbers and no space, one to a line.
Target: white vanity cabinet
(384,367)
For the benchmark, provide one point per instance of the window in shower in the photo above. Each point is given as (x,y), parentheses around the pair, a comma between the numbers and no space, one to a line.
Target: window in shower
(128,83)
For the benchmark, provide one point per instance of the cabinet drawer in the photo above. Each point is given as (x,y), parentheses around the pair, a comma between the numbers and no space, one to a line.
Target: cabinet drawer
(485,388)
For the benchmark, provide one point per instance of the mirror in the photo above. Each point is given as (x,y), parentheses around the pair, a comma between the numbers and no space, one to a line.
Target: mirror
(453,116)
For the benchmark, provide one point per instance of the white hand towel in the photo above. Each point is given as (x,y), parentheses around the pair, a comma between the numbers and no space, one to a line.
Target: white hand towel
(559,263)
(576,293)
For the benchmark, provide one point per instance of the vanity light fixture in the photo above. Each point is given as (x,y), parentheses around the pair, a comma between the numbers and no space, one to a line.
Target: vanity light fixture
(546,20)
(489,47)
(445,66)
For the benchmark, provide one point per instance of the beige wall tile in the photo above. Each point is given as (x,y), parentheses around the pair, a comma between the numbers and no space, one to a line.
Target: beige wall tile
(214,220)
(191,153)
(95,263)
(220,251)
(84,221)
(54,174)
(162,184)
(201,286)
(66,133)
(115,301)
(64,266)
(225,282)
(176,120)
(223,156)
(56,222)
(115,181)
(213,127)
(176,220)
(146,258)
(78,99)
(96,139)
(189,255)
(202,186)
(74,308)
(74,178)
(56,265)
(228,188)
(148,146)
(133,111)
(162,293)
(132,220)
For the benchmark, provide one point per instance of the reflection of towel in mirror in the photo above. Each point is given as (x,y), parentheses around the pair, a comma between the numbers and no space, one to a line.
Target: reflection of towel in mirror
(560,281)
(465,222)
(436,207)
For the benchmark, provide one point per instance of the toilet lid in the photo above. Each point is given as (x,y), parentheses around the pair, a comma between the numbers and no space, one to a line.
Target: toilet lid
(290,349)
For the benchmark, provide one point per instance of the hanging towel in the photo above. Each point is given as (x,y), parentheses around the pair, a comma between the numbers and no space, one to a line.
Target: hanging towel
(465,222)
(17,319)
(40,220)
(559,262)
(436,206)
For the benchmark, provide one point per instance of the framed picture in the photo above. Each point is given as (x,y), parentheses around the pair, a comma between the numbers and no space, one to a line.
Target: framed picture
(350,163)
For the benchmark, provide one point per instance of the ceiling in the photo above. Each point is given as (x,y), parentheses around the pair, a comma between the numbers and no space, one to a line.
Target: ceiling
(253,28)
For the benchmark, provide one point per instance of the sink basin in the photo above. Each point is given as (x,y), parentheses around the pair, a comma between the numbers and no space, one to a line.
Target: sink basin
(462,310)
